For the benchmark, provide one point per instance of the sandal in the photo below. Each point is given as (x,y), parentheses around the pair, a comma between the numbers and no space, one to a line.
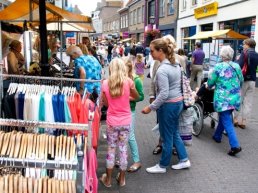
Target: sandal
(157,150)
(118,180)
(134,168)
(103,180)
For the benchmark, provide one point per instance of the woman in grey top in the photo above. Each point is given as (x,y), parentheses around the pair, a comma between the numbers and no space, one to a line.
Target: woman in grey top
(169,104)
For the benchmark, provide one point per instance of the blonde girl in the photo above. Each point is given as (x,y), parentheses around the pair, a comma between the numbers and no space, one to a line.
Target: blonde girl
(132,140)
(139,66)
(117,91)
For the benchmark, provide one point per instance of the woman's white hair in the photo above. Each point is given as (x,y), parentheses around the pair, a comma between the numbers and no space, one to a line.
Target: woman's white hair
(226,53)
(73,49)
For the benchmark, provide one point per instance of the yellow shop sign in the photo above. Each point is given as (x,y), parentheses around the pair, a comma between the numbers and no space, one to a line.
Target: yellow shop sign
(207,10)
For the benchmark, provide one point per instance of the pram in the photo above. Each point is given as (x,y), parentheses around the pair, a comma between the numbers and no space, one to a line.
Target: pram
(204,108)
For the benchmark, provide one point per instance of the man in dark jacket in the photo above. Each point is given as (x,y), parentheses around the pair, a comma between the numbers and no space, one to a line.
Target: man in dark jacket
(139,48)
(250,57)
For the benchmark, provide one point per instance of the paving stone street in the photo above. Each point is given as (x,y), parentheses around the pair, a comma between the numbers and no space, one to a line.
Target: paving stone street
(212,170)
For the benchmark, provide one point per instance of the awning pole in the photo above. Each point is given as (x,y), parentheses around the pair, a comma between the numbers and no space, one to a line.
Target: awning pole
(43,38)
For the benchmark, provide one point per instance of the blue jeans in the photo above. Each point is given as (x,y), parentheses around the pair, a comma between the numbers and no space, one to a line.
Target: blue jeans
(132,141)
(109,57)
(225,122)
(168,115)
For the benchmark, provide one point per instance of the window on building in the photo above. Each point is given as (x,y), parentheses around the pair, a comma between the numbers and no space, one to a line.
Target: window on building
(126,20)
(151,9)
(131,18)
(121,22)
(139,14)
(194,2)
(161,8)
(143,15)
(184,5)
(134,17)
(171,9)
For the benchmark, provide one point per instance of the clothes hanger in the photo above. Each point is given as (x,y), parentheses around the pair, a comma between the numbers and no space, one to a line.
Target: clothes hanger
(5,143)
(45,180)
(17,144)
(30,185)
(15,183)
(68,148)
(40,186)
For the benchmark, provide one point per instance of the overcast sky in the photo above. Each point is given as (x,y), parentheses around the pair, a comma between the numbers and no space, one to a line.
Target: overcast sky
(86,6)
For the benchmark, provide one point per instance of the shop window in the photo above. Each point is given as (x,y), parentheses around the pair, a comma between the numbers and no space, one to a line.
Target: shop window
(161,8)
(171,9)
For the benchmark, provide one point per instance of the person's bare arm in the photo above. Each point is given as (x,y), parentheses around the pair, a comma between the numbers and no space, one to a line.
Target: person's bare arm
(82,76)
(133,93)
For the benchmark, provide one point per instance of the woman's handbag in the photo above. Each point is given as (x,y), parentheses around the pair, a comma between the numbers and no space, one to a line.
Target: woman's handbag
(188,94)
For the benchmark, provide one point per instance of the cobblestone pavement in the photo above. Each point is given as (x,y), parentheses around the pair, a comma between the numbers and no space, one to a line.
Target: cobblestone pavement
(212,171)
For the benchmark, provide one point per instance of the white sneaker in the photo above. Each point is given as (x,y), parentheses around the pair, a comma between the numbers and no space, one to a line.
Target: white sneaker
(156,169)
(181,165)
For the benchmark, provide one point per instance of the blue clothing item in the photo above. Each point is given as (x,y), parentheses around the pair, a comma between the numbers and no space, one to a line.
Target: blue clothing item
(168,115)
(146,51)
(61,107)
(132,141)
(41,111)
(252,58)
(109,57)
(92,70)
(198,56)
(227,78)
(55,102)
(225,123)
(20,105)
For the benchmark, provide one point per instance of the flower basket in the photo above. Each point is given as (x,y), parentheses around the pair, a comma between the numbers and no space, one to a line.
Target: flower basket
(153,33)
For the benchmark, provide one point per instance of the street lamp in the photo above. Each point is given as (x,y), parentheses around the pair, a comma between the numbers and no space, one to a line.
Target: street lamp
(152,19)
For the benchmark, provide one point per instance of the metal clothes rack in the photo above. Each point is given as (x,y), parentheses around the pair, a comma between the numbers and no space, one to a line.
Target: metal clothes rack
(80,178)
(50,164)
(47,78)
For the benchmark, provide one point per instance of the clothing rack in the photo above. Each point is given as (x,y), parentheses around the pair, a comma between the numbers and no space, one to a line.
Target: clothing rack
(49,164)
(47,78)
(43,124)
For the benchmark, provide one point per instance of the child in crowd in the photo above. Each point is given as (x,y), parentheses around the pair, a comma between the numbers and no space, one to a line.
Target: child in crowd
(139,66)
(132,140)
(117,90)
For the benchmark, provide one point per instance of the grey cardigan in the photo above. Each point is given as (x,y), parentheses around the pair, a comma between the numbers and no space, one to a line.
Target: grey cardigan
(167,83)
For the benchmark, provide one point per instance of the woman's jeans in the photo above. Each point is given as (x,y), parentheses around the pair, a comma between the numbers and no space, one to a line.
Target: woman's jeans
(168,115)
(132,141)
(225,122)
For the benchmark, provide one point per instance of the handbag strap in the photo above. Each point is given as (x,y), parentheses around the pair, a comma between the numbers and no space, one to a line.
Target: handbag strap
(235,71)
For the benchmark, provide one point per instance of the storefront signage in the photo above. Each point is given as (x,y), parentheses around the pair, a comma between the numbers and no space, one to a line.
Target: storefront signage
(69,34)
(206,11)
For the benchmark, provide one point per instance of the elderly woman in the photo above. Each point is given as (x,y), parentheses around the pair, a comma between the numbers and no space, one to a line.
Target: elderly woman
(227,78)
(86,67)
(15,59)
